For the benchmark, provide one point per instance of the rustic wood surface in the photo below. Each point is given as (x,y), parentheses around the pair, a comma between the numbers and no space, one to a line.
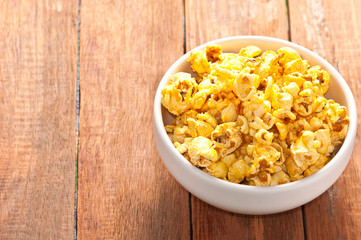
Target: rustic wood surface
(332,29)
(37,119)
(209,20)
(123,49)
(125,192)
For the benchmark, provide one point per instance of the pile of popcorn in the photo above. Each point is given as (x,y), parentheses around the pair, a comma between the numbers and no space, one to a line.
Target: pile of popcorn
(254,118)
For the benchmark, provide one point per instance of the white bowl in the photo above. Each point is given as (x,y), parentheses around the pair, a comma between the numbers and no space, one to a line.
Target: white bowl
(252,199)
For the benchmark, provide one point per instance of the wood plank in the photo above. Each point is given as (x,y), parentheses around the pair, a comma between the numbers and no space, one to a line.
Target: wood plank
(333,30)
(125,192)
(210,20)
(212,223)
(38,42)
(207,21)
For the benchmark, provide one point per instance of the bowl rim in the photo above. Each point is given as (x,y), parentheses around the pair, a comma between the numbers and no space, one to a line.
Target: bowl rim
(336,76)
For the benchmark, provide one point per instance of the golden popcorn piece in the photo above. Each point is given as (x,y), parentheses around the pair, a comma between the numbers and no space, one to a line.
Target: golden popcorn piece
(297,65)
(263,136)
(229,113)
(268,91)
(180,133)
(302,124)
(293,170)
(254,118)
(199,62)
(182,119)
(250,51)
(199,128)
(282,100)
(256,106)
(318,104)
(279,178)
(182,148)
(324,79)
(288,54)
(282,149)
(202,152)
(304,152)
(262,179)
(303,106)
(176,96)
(259,173)
(225,78)
(267,153)
(217,169)
(266,161)
(207,117)
(317,166)
(315,123)
(282,129)
(227,138)
(245,85)
(229,159)
(296,78)
(200,98)
(243,124)
(319,78)
(213,53)
(284,113)
(324,137)
(237,172)
(268,64)
(292,88)
(169,128)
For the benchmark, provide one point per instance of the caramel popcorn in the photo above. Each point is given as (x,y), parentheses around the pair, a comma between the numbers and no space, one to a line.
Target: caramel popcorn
(254,118)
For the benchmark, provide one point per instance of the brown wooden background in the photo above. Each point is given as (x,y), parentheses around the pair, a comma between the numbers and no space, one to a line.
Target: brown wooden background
(77,82)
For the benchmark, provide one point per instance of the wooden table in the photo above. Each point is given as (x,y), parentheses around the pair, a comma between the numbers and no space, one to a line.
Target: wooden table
(77,82)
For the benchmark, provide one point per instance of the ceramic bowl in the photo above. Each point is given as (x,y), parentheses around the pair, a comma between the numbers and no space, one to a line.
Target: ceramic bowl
(246,199)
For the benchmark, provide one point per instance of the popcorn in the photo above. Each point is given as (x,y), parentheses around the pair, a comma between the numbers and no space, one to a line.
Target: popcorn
(237,171)
(201,152)
(263,136)
(199,63)
(297,65)
(178,93)
(246,85)
(227,138)
(217,169)
(254,118)
(250,51)
(229,113)
(199,128)
(288,54)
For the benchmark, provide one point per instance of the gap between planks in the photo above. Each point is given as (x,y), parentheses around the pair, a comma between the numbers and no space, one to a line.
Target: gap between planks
(77,125)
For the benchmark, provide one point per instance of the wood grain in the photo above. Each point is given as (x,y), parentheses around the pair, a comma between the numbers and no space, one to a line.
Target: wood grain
(212,223)
(125,192)
(37,119)
(210,20)
(332,29)
(207,21)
